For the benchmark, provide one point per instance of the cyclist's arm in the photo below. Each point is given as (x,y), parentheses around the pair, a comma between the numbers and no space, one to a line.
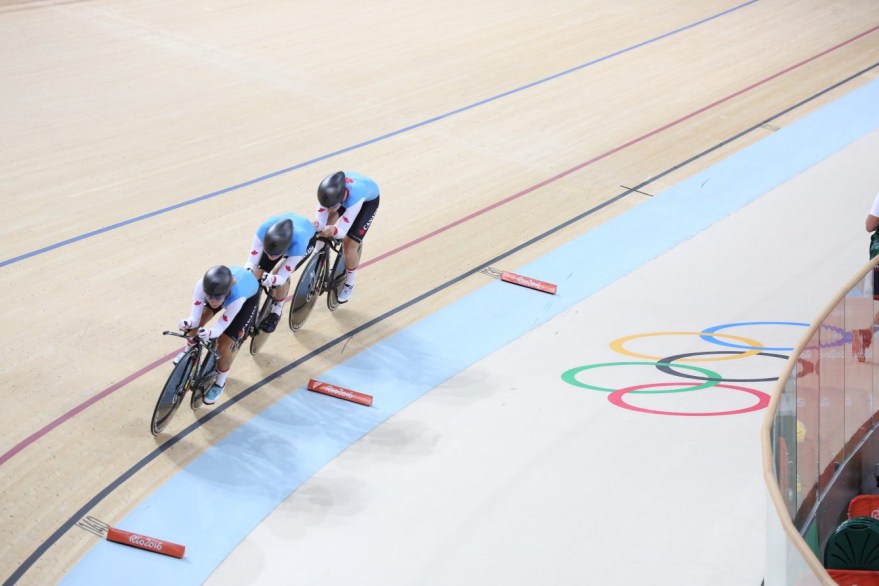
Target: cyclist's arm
(287,268)
(198,301)
(255,254)
(320,219)
(228,315)
(343,224)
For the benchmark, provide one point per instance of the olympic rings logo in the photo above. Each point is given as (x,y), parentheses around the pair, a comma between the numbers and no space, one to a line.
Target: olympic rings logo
(699,378)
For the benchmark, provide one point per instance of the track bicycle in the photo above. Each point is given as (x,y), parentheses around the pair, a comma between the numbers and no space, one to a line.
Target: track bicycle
(324,273)
(196,371)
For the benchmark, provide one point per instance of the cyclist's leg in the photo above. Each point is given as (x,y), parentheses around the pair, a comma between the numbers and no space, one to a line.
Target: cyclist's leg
(270,323)
(226,351)
(352,245)
(351,255)
(228,342)
(280,291)
(224,363)
(351,251)
(279,294)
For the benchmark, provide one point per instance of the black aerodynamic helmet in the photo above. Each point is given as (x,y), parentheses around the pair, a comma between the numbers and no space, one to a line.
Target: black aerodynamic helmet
(331,190)
(278,238)
(217,281)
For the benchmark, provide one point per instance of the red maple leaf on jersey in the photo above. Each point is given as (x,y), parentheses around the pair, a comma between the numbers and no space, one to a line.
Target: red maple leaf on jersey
(319,210)
(289,268)
(252,253)
(346,220)
(225,318)
(197,303)
(362,232)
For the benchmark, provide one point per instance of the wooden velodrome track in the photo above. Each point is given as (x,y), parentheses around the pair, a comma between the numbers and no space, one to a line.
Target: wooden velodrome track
(145,141)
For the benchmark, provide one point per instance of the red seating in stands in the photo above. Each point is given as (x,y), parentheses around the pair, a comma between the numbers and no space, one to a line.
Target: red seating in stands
(864,505)
(854,577)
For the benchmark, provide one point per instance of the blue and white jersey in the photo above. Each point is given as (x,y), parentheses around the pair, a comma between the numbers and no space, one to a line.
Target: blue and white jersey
(303,232)
(244,287)
(358,189)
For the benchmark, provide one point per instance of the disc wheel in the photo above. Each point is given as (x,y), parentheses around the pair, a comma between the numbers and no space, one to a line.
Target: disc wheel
(306,293)
(172,393)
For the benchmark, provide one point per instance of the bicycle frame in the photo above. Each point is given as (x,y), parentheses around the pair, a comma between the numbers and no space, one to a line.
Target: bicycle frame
(204,371)
(314,282)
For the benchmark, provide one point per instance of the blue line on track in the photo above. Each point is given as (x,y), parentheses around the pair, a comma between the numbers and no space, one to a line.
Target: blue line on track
(359,145)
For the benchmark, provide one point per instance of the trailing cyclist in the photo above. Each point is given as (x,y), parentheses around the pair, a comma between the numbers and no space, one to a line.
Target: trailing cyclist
(280,245)
(348,203)
(235,291)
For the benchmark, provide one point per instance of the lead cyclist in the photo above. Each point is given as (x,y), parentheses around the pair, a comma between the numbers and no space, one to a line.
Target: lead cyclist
(234,291)
(348,203)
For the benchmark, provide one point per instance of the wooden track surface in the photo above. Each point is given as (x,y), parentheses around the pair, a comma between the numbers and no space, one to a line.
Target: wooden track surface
(116,111)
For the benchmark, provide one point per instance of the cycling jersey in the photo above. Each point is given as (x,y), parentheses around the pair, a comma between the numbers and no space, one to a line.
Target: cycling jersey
(244,287)
(359,189)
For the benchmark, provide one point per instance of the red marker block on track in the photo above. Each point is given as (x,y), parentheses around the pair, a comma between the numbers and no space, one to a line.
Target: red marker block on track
(143,542)
(339,392)
(528,282)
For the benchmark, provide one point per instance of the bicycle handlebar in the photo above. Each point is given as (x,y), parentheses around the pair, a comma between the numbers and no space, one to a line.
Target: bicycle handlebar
(333,243)
(178,334)
(209,346)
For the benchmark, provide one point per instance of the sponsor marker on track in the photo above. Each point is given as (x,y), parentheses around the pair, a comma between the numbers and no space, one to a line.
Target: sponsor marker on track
(522,280)
(143,542)
(528,282)
(339,392)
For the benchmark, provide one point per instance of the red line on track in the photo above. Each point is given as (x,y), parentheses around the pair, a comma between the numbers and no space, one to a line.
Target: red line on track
(115,387)
(615,150)
(82,406)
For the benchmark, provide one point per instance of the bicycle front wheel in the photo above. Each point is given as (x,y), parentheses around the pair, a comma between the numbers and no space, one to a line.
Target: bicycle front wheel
(172,393)
(307,291)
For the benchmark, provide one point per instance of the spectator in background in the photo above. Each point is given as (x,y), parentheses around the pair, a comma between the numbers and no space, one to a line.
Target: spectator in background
(872,226)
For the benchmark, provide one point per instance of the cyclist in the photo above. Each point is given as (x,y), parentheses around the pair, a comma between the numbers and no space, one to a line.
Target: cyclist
(234,290)
(348,203)
(280,245)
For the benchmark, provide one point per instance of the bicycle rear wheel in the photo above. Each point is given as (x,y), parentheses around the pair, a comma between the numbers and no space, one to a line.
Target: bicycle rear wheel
(259,337)
(307,291)
(172,393)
